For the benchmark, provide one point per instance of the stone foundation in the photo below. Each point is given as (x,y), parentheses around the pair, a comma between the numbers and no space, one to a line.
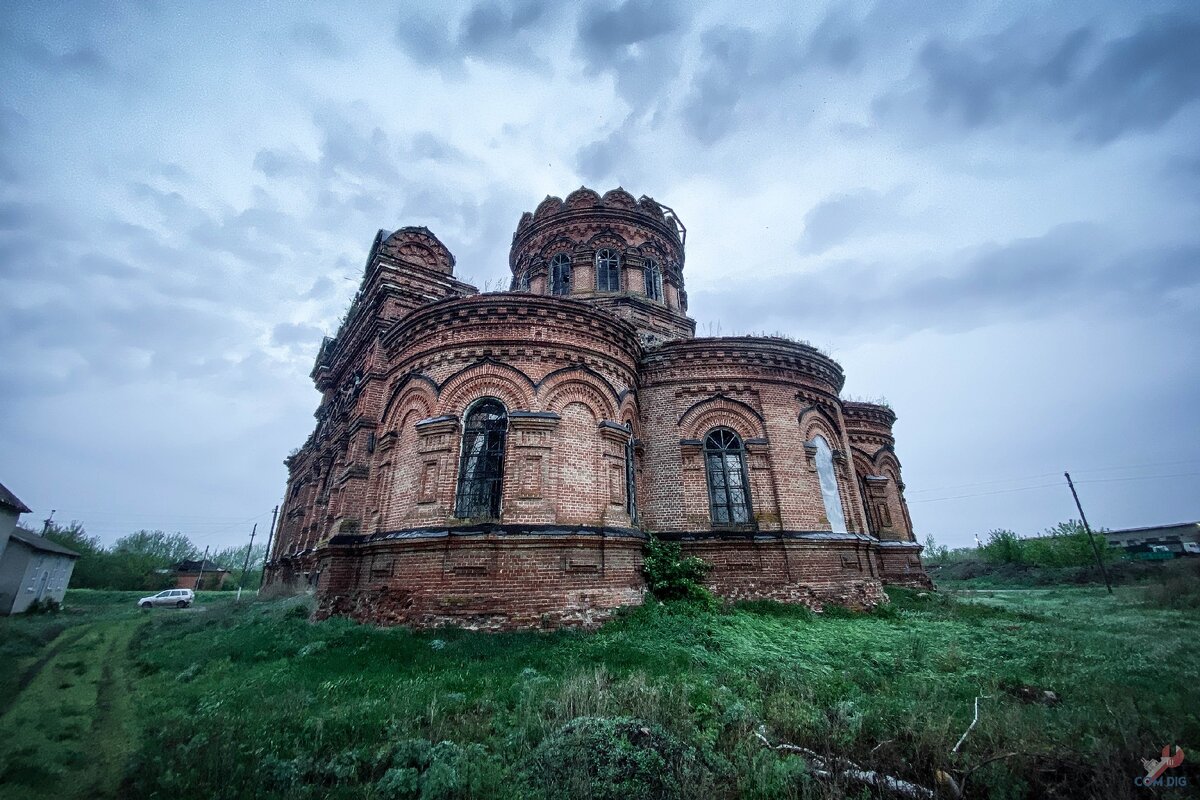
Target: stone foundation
(485,578)
(812,569)
(900,565)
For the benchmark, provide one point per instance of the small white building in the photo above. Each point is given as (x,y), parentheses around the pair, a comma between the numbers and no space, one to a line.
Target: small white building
(31,568)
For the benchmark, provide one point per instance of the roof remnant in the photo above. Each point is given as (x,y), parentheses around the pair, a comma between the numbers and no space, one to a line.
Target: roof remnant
(9,500)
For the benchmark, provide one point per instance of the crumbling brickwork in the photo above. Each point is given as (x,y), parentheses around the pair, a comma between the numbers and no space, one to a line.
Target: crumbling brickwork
(496,460)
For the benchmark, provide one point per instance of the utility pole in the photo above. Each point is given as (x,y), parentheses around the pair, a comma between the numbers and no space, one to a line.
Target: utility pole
(1088,528)
(200,577)
(246,564)
(46,522)
(270,536)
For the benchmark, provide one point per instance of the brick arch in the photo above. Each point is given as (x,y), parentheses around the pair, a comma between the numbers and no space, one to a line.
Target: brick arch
(815,420)
(814,415)
(862,463)
(579,389)
(418,245)
(886,463)
(413,387)
(609,238)
(398,469)
(487,378)
(628,414)
(578,372)
(559,244)
(582,197)
(721,411)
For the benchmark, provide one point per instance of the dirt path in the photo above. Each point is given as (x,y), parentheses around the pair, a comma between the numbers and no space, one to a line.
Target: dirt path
(69,731)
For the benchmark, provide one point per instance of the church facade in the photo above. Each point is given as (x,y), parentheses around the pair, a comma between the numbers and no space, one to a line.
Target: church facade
(497,460)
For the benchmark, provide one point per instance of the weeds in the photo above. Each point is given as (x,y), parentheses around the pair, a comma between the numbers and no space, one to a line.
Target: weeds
(664,701)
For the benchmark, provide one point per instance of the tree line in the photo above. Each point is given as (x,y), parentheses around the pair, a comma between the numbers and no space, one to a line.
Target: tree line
(143,559)
(1063,545)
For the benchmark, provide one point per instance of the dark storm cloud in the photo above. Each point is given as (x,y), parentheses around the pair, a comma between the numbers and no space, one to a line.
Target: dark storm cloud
(601,159)
(838,218)
(1097,90)
(498,32)
(318,38)
(1071,267)
(740,65)
(637,41)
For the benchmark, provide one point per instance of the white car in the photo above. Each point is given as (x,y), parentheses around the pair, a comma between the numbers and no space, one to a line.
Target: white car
(180,598)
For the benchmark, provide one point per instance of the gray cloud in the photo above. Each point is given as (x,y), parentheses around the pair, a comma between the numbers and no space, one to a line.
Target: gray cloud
(1097,90)
(318,38)
(638,42)
(84,60)
(1069,268)
(601,159)
(838,218)
(289,334)
(491,31)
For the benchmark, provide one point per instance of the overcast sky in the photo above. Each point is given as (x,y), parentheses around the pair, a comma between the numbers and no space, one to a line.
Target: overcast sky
(989,216)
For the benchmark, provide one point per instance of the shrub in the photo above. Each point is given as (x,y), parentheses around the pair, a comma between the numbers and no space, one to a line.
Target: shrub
(1178,587)
(1003,547)
(671,576)
(615,759)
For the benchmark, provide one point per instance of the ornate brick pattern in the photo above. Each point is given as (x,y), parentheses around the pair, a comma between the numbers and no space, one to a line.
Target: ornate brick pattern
(585,378)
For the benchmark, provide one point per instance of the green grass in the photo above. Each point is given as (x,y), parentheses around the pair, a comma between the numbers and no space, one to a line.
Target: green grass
(255,701)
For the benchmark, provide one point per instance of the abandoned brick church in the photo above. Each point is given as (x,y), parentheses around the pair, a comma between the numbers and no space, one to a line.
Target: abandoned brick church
(497,460)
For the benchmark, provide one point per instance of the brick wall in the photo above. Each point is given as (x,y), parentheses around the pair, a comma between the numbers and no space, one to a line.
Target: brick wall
(370,506)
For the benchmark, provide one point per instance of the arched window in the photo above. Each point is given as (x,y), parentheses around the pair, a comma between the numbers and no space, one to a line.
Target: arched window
(728,488)
(481,468)
(608,270)
(630,480)
(560,274)
(653,278)
(829,486)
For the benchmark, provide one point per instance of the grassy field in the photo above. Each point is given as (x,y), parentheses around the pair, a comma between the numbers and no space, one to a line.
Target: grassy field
(666,701)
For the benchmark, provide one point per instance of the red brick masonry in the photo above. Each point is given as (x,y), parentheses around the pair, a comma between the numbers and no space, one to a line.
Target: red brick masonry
(603,387)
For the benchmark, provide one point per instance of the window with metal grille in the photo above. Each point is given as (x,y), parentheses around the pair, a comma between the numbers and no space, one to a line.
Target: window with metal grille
(630,481)
(728,487)
(608,270)
(560,274)
(829,488)
(653,278)
(481,468)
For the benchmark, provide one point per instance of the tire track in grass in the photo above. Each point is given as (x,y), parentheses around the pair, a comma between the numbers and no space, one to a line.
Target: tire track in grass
(65,639)
(68,733)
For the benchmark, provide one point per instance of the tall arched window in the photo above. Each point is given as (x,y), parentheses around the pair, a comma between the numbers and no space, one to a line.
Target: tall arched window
(630,480)
(481,468)
(829,487)
(608,270)
(560,274)
(653,277)
(728,487)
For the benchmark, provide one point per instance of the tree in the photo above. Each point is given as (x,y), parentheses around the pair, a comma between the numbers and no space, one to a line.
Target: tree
(139,560)
(90,567)
(232,558)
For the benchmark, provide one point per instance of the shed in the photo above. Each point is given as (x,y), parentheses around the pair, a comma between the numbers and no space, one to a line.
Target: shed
(33,569)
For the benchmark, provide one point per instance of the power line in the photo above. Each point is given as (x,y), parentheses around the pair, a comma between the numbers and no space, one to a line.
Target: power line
(1048,485)
(1055,474)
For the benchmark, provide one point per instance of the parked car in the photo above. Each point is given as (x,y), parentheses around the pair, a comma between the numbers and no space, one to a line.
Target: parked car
(180,598)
